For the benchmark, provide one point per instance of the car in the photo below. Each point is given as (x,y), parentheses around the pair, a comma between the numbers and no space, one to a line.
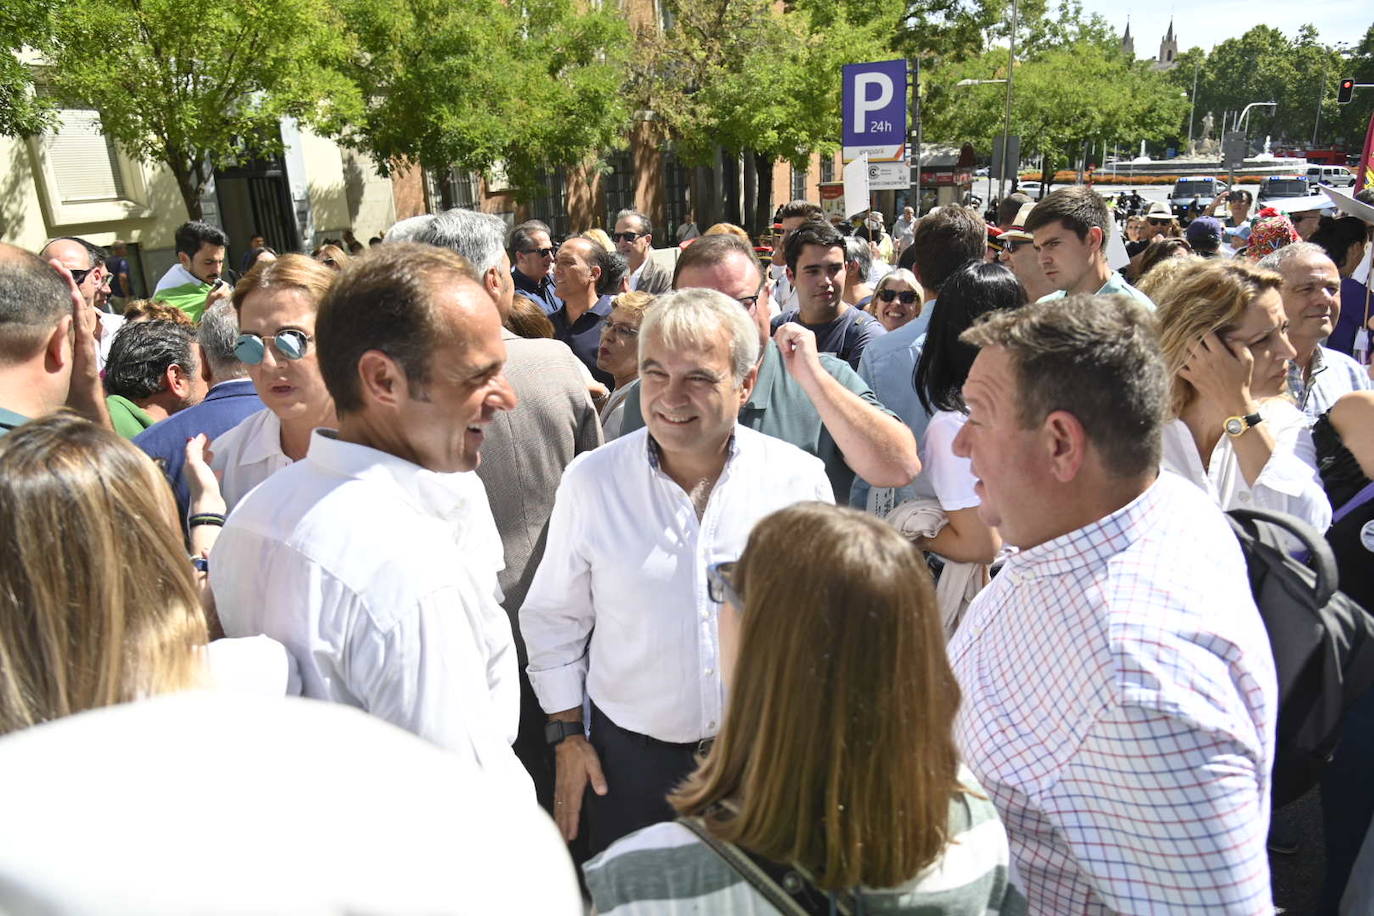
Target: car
(1192,195)
(1338,176)
(1276,187)
(1029,188)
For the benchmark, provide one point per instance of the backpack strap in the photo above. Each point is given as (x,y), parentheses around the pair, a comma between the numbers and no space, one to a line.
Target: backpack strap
(1354,502)
(786,888)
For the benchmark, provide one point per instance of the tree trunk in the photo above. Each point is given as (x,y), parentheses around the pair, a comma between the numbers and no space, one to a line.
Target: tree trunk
(1046,174)
(188,184)
(762,220)
(749,205)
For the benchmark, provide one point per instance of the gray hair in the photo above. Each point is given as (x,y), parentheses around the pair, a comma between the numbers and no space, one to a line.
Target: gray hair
(1279,260)
(479,237)
(217,333)
(407,229)
(687,318)
(856,251)
(1096,357)
(645,226)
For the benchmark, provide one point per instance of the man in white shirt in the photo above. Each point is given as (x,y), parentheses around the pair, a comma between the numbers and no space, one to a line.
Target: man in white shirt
(366,558)
(619,610)
(1119,694)
(1311,292)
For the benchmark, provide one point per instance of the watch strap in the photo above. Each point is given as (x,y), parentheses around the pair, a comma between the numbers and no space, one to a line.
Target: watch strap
(557,730)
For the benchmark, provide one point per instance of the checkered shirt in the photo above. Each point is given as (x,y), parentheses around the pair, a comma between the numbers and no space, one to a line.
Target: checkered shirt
(1119,703)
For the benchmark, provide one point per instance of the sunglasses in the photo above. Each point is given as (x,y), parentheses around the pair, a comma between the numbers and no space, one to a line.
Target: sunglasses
(1159,222)
(887,295)
(79,276)
(542,252)
(626,236)
(1010,246)
(290,343)
(719,587)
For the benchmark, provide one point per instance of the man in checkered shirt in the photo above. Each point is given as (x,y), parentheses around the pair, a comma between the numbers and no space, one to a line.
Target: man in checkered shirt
(1119,691)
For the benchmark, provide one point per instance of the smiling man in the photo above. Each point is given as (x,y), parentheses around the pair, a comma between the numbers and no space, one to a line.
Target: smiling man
(370,560)
(619,610)
(1071,228)
(1311,290)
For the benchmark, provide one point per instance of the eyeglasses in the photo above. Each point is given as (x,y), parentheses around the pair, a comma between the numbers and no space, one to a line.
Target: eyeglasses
(623,331)
(1011,246)
(719,587)
(542,252)
(1159,222)
(626,236)
(907,296)
(750,301)
(291,343)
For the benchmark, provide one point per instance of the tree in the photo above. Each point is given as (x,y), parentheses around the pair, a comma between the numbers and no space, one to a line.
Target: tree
(532,84)
(191,84)
(24,26)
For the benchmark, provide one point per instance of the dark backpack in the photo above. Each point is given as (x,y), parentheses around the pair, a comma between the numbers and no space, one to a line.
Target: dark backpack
(1323,643)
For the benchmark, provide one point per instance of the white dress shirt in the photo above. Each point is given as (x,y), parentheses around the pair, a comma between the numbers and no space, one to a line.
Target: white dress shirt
(248,454)
(380,578)
(1119,701)
(1288,483)
(619,607)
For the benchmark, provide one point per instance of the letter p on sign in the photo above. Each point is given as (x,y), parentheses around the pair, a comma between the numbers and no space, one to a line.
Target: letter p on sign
(874,94)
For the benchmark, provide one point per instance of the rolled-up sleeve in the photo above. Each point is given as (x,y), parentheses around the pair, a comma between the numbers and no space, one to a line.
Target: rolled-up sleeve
(1289,481)
(557,617)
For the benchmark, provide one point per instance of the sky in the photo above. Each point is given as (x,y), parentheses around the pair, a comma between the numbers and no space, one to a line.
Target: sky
(1211,22)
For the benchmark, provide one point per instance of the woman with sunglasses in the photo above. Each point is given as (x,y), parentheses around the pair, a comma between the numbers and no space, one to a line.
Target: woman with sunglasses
(835,776)
(896,300)
(276,303)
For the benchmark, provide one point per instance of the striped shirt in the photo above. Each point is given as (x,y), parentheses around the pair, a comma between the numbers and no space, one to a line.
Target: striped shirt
(1119,704)
(667,869)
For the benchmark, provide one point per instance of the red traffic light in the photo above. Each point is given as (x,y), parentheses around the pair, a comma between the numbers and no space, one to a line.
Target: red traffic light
(1345,91)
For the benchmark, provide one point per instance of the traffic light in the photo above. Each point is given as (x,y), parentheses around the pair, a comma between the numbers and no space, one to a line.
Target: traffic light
(1345,90)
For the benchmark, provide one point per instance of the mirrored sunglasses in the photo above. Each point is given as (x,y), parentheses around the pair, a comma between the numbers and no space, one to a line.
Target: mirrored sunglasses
(290,343)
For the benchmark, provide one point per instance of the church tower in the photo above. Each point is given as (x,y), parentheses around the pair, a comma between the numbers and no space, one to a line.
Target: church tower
(1168,48)
(1127,42)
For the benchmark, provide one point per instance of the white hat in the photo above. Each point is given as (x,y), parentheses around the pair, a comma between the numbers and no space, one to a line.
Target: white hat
(1159,210)
(1349,205)
(1017,230)
(1291,205)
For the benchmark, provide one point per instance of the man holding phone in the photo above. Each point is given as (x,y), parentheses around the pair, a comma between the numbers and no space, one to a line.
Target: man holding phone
(194,283)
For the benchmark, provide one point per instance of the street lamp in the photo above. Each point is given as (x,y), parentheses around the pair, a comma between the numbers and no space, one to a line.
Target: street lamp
(1006,120)
(1245,112)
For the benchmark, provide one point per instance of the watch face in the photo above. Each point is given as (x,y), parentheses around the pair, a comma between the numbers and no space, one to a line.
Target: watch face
(1234,426)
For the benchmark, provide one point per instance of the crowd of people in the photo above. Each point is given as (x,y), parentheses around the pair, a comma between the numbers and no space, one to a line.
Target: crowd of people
(887,574)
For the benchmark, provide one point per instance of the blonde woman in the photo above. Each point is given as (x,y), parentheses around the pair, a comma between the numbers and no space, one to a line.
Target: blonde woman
(1225,342)
(101,604)
(618,354)
(835,772)
(896,299)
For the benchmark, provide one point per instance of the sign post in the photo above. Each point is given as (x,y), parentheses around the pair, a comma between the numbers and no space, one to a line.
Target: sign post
(874,128)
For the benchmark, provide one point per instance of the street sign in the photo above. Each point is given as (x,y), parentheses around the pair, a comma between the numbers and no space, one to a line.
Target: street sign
(874,111)
(856,187)
(889,176)
(1233,148)
(1013,158)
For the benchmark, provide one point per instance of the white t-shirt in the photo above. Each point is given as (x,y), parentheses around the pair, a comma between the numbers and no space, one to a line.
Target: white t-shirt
(944,475)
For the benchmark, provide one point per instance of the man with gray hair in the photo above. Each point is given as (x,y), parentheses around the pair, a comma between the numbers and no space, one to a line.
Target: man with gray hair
(858,262)
(1119,694)
(619,610)
(230,400)
(526,450)
(634,237)
(1311,291)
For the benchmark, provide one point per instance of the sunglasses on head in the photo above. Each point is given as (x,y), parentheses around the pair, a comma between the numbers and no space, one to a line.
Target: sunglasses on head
(291,343)
(906,296)
(626,236)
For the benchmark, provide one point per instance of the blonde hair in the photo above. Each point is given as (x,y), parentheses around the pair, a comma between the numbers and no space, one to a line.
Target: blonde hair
(331,252)
(729,229)
(527,319)
(149,310)
(1211,297)
(1156,282)
(636,302)
(837,751)
(599,237)
(290,271)
(100,605)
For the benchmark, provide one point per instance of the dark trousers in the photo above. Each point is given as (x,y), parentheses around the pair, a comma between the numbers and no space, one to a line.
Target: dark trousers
(640,772)
(1347,799)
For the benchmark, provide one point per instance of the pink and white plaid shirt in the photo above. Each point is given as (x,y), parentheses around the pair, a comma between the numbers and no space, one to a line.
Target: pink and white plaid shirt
(1119,703)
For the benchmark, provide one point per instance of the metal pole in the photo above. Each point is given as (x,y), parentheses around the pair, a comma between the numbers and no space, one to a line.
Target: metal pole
(1006,121)
(916,108)
(1193,110)
(1321,95)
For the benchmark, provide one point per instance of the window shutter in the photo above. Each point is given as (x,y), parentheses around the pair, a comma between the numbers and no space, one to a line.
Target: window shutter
(83,159)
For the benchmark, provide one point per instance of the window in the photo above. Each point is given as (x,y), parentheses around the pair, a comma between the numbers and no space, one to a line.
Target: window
(677,180)
(798,184)
(618,185)
(827,168)
(465,190)
(83,160)
(552,206)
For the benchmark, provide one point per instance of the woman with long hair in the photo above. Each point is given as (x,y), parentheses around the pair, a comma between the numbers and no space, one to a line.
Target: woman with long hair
(835,772)
(276,304)
(1234,434)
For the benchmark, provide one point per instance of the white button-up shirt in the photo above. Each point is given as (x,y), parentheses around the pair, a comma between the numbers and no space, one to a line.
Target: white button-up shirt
(1288,482)
(248,454)
(380,578)
(619,606)
(1119,700)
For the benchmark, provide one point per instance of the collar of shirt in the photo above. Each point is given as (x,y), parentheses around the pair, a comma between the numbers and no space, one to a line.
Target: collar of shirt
(1301,386)
(655,453)
(234,388)
(440,495)
(1096,542)
(769,367)
(11,420)
(266,441)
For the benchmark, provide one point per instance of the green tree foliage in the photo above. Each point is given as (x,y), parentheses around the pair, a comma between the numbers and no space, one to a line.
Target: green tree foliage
(24,27)
(533,84)
(195,85)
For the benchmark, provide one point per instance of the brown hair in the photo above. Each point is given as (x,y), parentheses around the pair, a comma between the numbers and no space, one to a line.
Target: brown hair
(527,319)
(1160,249)
(944,241)
(1213,297)
(1156,282)
(728,229)
(837,751)
(100,605)
(293,271)
(712,250)
(1079,208)
(331,252)
(151,310)
(1096,357)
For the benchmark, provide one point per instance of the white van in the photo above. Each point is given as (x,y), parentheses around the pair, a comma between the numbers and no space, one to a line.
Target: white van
(1338,176)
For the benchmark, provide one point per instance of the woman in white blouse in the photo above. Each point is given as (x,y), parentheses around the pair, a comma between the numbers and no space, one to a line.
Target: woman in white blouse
(276,303)
(1223,332)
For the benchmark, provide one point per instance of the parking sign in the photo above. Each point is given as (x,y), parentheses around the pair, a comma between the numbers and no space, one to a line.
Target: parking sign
(874,111)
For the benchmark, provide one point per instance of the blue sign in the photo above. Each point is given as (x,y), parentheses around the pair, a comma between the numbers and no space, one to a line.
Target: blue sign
(875,105)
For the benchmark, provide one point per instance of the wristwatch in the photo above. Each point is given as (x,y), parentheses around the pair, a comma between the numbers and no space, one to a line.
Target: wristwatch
(556,731)
(1236,426)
